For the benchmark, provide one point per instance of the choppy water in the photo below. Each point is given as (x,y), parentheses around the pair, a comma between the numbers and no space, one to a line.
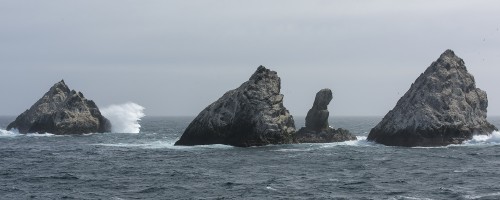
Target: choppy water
(148,166)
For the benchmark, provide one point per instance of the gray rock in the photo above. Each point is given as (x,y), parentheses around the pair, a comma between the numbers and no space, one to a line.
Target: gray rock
(317,129)
(325,136)
(62,111)
(317,117)
(442,107)
(251,115)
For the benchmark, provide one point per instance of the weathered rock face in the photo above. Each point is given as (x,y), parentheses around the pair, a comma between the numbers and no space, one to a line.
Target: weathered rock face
(251,115)
(442,107)
(317,129)
(62,111)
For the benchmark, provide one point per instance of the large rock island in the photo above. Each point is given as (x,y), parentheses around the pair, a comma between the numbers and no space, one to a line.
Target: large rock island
(317,129)
(442,107)
(251,115)
(62,111)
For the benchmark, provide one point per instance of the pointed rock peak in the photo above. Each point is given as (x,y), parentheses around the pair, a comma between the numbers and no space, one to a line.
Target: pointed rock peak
(61,85)
(261,68)
(447,61)
(448,53)
(60,82)
(263,72)
(450,57)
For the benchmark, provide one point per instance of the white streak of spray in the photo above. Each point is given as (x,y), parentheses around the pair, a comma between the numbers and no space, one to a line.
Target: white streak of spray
(125,117)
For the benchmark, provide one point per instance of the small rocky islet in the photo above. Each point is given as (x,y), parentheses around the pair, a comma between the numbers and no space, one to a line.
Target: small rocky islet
(317,129)
(442,107)
(62,111)
(250,115)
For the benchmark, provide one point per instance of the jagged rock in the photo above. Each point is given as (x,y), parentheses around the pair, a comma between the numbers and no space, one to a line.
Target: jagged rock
(317,129)
(442,107)
(251,115)
(62,111)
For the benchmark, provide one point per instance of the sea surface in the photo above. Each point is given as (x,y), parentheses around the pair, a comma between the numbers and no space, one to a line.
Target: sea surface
(146,165)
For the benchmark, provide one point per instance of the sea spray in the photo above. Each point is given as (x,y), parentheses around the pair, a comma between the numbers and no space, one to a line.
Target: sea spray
(6,133)
(125,117)
(493,138)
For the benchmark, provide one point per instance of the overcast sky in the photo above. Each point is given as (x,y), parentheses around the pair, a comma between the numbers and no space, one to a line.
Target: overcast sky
(177,57)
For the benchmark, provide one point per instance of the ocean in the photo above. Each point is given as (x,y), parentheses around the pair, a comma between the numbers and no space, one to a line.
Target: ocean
(146,165)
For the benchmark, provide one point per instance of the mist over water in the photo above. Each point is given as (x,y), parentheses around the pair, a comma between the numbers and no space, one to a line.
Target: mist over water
(125,117)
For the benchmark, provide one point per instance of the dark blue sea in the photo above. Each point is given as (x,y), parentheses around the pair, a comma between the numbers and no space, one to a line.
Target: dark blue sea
(146,165)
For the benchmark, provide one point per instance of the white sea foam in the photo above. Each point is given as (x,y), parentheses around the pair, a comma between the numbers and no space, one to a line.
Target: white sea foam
(6,133)
(41,135)
(493,138)
(164,145)
(480,196)
(125,117)
(410,198)
(294,150)
(360,141)
(15,133)
(477,140)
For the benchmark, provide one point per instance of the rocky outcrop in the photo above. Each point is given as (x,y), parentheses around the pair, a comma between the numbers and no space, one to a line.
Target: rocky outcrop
(251,115)
(442,107)
(317,129)
(61,111)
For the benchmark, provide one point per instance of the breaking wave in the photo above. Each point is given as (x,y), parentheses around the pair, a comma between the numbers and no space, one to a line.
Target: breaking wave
(493,138)
(360,141)
(125,117)
(163,145)
(6,133)
(15,133)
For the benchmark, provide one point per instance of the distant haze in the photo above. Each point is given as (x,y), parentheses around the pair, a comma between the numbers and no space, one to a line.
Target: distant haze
(177,57)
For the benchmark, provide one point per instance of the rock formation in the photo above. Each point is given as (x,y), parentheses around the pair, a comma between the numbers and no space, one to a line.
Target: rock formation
(442,107)
(251,115)
(61,111)
(317,129)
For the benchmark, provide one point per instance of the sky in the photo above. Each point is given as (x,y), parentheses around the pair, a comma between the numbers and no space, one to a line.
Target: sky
(175,57)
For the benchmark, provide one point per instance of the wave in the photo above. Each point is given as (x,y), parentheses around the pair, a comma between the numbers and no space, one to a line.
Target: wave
(492,139)
(42,135)
(360,141)
(15,133)
(125,117)
(6,133)
(480,196)
(163,145)
(477,140)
